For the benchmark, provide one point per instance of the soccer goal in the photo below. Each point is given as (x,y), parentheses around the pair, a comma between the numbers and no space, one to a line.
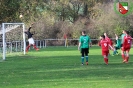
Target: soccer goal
(12,38)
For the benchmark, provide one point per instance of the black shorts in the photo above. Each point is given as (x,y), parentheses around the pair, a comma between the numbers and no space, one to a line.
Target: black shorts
(121,45)
(85,50)
(117,48)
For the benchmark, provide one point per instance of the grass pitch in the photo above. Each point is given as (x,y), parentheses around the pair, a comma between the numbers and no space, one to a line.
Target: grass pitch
(60,67)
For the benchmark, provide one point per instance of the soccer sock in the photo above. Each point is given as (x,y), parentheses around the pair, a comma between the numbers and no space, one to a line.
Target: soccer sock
(82,60)
(106,60)
(86,58)
(123,56)
(127,58)
(114,52)
(35,47)
(27,48)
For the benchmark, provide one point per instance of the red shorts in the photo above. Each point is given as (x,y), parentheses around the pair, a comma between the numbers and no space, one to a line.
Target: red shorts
(126,48)
(105,53)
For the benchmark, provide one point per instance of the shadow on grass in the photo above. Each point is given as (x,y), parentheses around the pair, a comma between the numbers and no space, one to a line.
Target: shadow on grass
(30,69)
(61,48)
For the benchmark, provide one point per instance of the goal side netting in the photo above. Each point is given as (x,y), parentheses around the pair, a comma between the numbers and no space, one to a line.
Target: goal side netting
(12,38)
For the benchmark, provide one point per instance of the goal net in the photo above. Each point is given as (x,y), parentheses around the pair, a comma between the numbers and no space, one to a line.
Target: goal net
(12,38)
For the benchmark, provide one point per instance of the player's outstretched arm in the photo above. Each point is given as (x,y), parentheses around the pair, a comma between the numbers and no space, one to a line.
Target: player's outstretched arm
(79,46)
(100,38)
(111,47)
(30,26)
(105,34)
(116,36)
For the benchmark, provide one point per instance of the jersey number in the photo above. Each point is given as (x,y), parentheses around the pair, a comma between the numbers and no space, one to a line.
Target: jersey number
(105,44)
(85,41)
(128,41)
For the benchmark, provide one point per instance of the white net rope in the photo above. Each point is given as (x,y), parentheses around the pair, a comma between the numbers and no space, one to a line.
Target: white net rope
(8,28)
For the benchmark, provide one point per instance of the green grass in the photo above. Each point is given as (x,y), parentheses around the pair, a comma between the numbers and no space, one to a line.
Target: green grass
(59,67)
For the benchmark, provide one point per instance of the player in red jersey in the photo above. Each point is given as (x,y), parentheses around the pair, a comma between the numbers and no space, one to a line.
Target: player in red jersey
(127,42)
(108,39)
(105,48)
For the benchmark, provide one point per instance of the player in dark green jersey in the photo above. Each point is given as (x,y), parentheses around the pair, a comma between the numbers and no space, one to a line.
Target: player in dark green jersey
(84,44)
(117,46)
(122,37)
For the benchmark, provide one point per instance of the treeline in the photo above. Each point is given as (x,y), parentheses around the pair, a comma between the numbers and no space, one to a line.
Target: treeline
(54,18)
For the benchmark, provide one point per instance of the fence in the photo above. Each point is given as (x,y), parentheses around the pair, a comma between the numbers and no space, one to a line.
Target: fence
(17,46)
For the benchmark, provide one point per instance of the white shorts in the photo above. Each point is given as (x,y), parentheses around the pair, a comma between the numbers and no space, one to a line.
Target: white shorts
(31,41)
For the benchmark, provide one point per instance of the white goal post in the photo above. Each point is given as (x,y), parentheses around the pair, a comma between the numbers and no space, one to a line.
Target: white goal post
(7,28)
